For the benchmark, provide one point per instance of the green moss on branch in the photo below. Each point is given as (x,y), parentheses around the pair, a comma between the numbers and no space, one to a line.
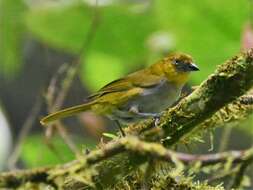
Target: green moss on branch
(230,81)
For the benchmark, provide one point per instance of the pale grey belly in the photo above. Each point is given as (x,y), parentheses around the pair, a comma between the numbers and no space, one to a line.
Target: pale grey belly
(152,100)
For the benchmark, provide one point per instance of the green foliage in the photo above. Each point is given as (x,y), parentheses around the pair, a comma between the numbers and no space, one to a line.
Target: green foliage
(11,36)
(208,30)
(37,153)
(119,41)
(246,126)
(110,135)
(120,34)
(123,33)
(96,67)
(63,27)
(160,178)
(120,31)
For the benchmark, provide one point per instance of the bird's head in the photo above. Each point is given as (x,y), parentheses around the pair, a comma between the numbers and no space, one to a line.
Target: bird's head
(181,62)
(177,67)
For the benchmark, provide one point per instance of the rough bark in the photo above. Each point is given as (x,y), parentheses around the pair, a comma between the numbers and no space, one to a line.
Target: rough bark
(201,109)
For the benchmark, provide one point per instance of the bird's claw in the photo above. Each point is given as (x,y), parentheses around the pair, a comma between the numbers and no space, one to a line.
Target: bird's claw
(157,119)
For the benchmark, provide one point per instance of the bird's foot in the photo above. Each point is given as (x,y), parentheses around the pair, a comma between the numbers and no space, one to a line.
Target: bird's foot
(157,119)
(123,134)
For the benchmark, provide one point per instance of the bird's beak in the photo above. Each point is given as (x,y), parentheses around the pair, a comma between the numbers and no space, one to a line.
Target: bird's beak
(193,67)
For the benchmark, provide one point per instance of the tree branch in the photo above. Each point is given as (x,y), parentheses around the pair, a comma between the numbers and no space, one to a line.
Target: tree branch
(248,160)
(129,144)
(230,81)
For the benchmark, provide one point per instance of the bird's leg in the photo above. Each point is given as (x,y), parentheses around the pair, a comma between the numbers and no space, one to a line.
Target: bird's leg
(156,116)
(135,110)
(157,119)
(120,128)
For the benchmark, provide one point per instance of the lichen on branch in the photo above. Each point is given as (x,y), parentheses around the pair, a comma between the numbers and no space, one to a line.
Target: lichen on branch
(230,81)
(203,108)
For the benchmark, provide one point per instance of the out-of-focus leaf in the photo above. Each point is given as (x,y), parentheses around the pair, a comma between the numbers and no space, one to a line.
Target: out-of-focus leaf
(11,36)
(120,37)
(100,69)
(123,33)
(247,125)
(208,30)
(120,31)
(36,153)
(63,27)
(110,135)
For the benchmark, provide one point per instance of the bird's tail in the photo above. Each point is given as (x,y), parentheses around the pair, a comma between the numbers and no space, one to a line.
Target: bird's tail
(66,113)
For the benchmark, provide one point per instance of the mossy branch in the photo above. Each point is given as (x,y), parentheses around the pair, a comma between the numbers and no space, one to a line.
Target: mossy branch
(230,81)
(205,107)
(131,145)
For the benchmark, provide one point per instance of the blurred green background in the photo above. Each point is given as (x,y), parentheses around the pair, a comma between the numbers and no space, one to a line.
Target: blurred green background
(110,40)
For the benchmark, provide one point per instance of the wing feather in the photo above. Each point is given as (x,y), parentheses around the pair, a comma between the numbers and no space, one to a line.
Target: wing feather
(140,79)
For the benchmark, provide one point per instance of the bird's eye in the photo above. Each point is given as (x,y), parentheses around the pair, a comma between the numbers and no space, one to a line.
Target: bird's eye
(176,62)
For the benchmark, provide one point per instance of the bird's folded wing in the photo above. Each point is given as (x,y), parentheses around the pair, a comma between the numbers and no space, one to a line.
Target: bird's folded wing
(128,83)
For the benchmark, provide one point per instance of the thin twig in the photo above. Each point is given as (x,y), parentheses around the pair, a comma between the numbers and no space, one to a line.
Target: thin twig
(25,129)
(218,176)
(240,173)
(142,149)
(51,90)
(212,95)
(92,31)
(148,172)
(157,151)
(72,71)
(64,134)
(226,133)
(53,106)
(67,82)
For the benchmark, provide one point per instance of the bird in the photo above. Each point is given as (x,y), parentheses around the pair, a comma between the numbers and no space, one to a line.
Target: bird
(139,95)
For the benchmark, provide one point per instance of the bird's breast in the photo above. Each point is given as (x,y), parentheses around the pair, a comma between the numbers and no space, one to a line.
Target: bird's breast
(152,100)
(156,99)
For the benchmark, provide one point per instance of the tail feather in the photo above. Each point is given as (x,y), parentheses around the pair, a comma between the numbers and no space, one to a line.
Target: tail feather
(65,113)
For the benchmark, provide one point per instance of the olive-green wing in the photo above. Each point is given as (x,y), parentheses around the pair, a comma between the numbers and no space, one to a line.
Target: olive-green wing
(114,86)
(139,79)
(146,80)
